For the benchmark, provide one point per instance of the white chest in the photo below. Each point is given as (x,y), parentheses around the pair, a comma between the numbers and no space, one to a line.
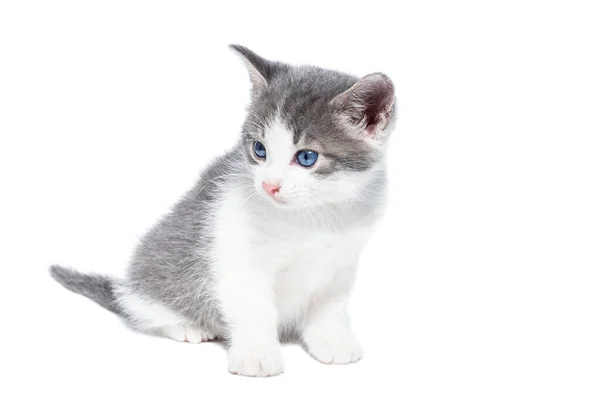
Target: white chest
(303,260)
(306,262)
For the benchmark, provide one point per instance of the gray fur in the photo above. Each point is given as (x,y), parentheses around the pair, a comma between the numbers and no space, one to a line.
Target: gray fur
(99,288)
(171,265)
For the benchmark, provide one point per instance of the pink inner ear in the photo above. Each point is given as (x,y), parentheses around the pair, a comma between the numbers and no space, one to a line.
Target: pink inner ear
(378,116)
(369,101)
(371,129)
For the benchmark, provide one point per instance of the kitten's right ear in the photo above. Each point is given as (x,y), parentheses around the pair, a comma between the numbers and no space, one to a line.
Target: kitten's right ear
(259,69)
(368,105)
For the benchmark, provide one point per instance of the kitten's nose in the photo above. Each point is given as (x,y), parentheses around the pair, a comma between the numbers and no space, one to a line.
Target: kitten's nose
(271,188)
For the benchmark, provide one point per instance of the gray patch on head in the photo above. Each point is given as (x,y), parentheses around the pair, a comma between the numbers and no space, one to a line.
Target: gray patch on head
(301,96)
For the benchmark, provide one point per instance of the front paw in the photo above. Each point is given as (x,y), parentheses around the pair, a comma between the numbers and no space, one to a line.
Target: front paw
(255,361)
(329,348)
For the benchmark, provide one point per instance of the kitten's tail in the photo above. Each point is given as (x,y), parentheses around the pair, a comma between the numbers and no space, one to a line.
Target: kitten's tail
(99,288)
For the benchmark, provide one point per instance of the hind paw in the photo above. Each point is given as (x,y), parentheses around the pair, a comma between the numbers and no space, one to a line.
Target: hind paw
(183,333)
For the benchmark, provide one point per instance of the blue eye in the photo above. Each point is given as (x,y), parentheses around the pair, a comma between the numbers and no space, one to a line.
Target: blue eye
(307,158)
(259,150)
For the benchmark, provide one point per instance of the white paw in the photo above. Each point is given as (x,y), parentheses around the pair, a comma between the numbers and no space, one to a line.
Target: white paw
(255,361)
(335,349)
(183,333)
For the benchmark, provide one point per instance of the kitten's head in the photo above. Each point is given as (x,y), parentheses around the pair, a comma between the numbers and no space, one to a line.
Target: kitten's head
(314,136)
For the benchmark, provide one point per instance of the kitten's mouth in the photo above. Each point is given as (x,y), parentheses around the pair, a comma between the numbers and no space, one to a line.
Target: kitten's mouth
(278,200)
(275,198)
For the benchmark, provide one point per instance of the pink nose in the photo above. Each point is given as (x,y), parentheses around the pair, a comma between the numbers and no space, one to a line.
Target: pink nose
(271,188)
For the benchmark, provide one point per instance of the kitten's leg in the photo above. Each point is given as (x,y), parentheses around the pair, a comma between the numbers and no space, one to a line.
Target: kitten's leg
(327,335)
(247,302)
(151,317)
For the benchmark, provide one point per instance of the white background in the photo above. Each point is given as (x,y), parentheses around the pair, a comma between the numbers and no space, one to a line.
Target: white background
(481,283)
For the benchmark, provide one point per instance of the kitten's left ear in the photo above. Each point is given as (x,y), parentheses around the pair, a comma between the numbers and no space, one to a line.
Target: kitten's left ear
(368,105)
(261,71)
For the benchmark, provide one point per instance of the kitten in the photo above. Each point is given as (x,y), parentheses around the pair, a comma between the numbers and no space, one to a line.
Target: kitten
(266,245)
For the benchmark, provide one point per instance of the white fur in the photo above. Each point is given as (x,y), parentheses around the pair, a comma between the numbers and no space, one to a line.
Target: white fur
(150,316)
(277,268)
(147,315)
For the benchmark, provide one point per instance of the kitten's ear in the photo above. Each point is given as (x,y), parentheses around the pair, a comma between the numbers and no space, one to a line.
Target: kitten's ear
(259,69)
(367,105)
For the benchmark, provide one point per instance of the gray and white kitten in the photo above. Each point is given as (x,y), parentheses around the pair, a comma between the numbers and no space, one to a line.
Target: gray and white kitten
(266,245)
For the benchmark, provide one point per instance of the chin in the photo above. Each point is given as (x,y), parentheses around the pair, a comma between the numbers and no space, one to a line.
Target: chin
(284,204)
(277,202)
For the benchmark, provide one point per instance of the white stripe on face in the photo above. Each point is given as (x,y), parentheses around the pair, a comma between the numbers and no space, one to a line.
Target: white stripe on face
(279,141)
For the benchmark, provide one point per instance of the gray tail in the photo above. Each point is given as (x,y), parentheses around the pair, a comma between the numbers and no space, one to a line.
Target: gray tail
(99,288)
